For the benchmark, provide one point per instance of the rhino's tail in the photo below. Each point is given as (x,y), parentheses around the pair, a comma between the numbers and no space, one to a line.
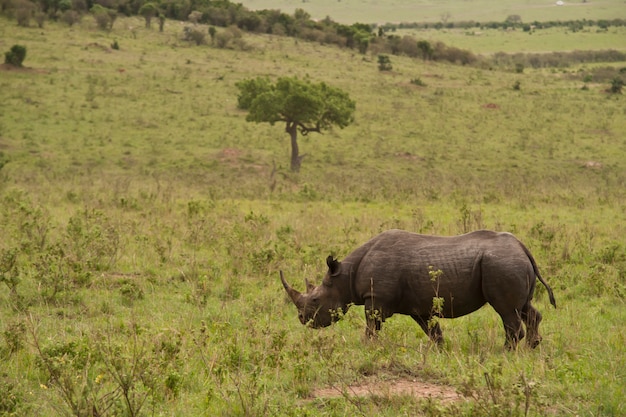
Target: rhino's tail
(538,275)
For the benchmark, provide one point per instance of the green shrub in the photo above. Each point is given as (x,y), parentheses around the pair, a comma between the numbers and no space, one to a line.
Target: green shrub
(194,35)
(14,337)
(384,63)
(10,399)
(15,56)
(9,272)
(104,17)
(616,85)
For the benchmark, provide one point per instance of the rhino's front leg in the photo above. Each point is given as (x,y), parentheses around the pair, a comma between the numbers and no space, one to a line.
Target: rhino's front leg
(432,329)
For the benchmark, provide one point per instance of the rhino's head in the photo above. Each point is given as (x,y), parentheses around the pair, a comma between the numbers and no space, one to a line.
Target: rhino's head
(320,305)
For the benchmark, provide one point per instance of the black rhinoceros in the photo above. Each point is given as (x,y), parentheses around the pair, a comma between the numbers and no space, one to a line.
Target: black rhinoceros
(403,272)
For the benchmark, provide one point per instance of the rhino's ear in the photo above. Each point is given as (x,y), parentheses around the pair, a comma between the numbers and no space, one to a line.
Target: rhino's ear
(333,266)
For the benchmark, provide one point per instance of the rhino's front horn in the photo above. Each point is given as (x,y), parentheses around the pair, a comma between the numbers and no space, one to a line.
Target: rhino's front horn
(293,294)
(309,287)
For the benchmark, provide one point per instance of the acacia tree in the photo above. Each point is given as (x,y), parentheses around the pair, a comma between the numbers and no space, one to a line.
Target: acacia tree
(148,11)
(301,104)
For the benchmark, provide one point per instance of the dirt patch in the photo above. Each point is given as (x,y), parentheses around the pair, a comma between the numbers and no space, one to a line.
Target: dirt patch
(235,158)
(13,68)
(99,46)
(229,154)
(592,165)
(388,388)
(408,156)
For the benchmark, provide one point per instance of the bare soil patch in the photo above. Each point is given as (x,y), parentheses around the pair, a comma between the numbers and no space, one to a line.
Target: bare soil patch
(229,154)
(388,388)
(13,68)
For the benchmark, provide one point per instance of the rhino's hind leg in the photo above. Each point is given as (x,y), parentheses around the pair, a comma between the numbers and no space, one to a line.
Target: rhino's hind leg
(433,330)
(532,318)
(513,328)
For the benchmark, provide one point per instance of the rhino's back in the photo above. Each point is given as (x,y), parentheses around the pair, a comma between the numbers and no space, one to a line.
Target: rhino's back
(407,269)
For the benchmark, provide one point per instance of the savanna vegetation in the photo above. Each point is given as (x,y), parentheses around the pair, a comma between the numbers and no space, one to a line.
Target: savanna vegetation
(144,222)
(363,37)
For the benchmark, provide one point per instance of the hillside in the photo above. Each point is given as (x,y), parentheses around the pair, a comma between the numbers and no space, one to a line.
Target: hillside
(380,11)
(145,222)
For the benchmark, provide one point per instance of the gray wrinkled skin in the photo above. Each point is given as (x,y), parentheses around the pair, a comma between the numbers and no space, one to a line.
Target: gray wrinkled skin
(392,273)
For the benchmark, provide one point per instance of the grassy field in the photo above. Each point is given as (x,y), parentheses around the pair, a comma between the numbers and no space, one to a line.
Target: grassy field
(396,11)
(486,41)
(144,223)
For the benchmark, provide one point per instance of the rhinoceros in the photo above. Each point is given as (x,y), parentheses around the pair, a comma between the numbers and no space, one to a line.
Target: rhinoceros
(409,273)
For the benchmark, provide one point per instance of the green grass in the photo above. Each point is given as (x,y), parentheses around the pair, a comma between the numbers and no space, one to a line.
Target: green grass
(173,217)
(486,41)
(378,11)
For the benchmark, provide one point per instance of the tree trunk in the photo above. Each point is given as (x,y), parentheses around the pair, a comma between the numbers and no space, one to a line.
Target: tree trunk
(296,159)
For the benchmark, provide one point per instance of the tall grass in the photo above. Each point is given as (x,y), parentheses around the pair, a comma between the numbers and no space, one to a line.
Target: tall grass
(144,223)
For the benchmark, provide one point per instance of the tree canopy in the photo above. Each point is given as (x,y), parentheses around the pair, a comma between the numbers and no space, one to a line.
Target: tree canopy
(301,104)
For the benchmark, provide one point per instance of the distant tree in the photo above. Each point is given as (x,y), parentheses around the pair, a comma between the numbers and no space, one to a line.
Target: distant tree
(148,11)
(194,17)
(445,17)
(161,22)
(513,18)
(65,5)
(104,17)
(70,17)
(24,10)
(212,32)
(40,18)
(426,49)
(301,104)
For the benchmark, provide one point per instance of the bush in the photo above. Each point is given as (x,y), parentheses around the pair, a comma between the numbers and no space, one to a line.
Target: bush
(11,399)
(104,17)
(23,12)
(230,38)
(194,35)
(70,17)
(15,56)
(384,63)
(616,85)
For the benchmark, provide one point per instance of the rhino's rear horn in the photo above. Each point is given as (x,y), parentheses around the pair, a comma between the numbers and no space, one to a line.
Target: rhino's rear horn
(309,287)
(293,293)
